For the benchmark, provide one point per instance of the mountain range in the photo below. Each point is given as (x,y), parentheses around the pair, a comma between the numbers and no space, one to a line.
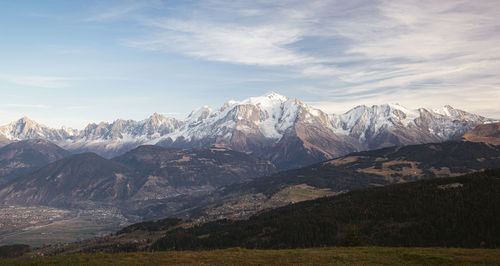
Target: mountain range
(284,131)
(145,173)
(200,184)
(241,159)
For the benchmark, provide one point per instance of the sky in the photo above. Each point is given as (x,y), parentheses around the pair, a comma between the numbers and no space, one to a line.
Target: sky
(74,62)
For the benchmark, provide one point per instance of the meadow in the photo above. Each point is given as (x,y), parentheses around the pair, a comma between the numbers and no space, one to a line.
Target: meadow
(316,256)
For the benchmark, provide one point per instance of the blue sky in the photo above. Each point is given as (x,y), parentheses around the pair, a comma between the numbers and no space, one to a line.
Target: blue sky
(74,62)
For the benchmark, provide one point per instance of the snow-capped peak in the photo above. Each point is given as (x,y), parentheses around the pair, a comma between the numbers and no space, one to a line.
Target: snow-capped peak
(276,96)
(158,120)
(446,110)
(264,115)
(257,122)
(25,128)
(268,99)
(156,117)
(199,114)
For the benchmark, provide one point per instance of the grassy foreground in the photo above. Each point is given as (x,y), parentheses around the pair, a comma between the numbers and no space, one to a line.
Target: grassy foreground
(317,256)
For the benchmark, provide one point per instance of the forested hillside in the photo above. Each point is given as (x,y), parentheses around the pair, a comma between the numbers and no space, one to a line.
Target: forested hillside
(449,212)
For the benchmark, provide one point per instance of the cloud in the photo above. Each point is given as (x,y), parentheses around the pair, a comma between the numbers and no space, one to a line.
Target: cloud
(261,34)
(14,105)
(49,82)
(263,45)
(375,38)
(348,51)
(119,11)
(414,42)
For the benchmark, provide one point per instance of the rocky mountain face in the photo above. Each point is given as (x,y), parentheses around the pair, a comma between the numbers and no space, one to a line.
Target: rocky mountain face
(26,128)
(106,139)
(147,173)
(391,124)
(120,136)
(285,131)
(28,155)
(487,133)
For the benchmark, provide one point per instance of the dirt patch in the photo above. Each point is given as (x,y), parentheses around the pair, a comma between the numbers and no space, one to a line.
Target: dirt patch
(183,159)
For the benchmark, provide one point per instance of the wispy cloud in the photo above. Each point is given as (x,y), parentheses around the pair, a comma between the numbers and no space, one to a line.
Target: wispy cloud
(404,41)
(17,105)
(119,11)
(232,43)
(349,50)
(49,82)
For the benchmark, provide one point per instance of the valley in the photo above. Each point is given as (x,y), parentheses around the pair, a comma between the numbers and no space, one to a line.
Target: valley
(71,212)
(442,212)
(38,225)
(289,173)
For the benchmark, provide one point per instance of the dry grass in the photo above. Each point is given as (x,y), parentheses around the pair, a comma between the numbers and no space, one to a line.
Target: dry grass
(295,194)
(317,256)
(344,160)
(387,172)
